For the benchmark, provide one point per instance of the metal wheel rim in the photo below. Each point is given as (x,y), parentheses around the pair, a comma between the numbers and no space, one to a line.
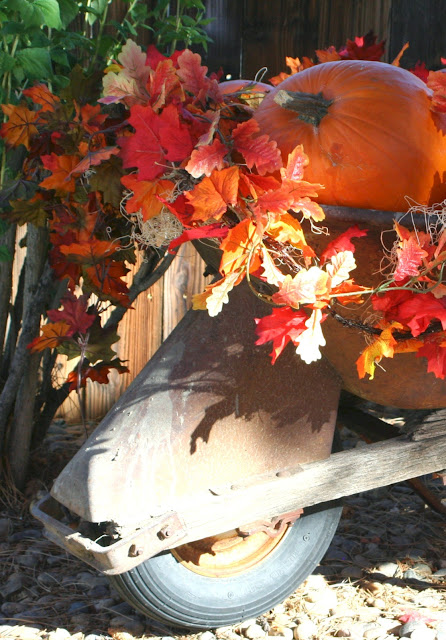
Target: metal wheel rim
(227,554)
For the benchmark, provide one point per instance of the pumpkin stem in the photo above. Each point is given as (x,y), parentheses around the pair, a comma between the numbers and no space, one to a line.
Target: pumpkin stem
(309,107)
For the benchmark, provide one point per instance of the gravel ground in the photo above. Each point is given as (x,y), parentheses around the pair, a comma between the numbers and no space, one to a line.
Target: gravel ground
(383,577)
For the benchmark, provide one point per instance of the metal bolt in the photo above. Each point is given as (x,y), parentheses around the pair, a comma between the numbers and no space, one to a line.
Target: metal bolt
(165,532)
(135,551)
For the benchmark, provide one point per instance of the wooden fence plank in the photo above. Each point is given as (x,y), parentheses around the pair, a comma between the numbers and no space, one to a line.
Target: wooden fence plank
(273,30)
(422,23)
(181,282)
(340,20)
(226,33)
(156,312)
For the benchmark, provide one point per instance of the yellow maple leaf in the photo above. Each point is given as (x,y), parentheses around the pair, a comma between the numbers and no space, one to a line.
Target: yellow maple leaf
(384,346)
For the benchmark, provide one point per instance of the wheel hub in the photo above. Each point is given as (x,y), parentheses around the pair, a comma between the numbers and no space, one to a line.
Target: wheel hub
(235,551)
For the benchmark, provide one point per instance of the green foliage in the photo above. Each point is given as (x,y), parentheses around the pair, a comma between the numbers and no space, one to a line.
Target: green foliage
(186,25)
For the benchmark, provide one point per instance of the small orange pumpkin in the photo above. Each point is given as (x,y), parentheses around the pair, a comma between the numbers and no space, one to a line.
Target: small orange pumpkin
(368,129)
(240,85)
(249,91)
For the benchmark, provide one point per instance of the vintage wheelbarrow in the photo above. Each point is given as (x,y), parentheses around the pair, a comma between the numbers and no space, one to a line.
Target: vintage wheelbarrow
(209,491)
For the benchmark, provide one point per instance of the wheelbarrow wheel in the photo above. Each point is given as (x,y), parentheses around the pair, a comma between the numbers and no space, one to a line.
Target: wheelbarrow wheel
(226,579)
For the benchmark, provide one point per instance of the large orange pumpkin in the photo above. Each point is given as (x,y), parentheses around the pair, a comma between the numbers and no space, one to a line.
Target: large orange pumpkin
(368,130)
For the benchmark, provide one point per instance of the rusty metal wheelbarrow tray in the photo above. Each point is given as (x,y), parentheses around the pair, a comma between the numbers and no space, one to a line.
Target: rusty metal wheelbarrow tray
(209,436)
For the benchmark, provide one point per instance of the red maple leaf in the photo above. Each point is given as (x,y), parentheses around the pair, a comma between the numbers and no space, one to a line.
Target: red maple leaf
(158,138)
(363,48)
(342,242)
(154,57)
(207,158)
(418,311)
(420,70)
(257,150)
(182,209)
(281,326)
(164,85)
(194,78)
(410,257)
(93,158)
(206,231)
(97,373)
(434,349)
(74,313)
(277,201)
(436,81)
(63,269)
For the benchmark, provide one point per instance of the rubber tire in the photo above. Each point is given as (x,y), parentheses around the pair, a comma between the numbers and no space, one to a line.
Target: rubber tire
(163,589)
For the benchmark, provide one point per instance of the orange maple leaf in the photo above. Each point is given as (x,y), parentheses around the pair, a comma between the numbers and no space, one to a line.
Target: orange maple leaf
(19,128)
(91,117)
(40,94)
(382,347)
(297,161)
(295,65)
(274,202)
(288,230)
(106,278)
(327,55)
(348,287)
(145,195)
(211,197)
(88,252)
(62,168)
(53,333)
(241,245)
(252,186)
